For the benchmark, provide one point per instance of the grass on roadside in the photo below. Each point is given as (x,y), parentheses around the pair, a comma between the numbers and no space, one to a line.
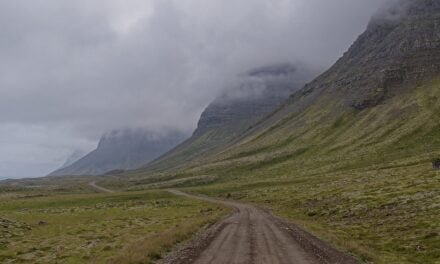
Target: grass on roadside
(137,227)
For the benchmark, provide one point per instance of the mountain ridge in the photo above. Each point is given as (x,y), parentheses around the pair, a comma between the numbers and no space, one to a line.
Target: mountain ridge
(255,94)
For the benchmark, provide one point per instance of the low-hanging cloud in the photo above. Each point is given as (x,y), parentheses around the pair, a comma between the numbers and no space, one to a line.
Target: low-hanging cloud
(72,70)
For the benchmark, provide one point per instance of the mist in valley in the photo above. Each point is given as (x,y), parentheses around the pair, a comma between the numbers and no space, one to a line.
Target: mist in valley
(73,71)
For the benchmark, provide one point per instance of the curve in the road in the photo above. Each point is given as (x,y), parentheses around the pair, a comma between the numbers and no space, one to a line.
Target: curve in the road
(99,188)
(253,235)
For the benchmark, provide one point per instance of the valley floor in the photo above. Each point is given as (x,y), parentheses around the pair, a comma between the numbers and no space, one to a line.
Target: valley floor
(136,227)
(381,213)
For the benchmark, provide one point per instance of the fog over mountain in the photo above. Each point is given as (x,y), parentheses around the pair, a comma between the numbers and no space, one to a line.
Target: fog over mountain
(122,150)
(71,71)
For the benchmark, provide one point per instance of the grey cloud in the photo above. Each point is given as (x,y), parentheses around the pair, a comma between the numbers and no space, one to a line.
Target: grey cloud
(76,69)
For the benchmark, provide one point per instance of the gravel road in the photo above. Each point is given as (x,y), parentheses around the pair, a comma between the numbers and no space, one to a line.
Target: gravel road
(254,235)
(99,188)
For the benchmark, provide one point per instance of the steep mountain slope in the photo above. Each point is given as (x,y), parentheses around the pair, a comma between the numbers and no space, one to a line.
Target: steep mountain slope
(122,150)
(397,54)
(350,155)
(399,48)
(254,95)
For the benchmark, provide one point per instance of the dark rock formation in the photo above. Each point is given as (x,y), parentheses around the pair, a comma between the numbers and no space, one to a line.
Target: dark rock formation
(436,164)
(252,98)
(255,94)
(123,150)
(42,223)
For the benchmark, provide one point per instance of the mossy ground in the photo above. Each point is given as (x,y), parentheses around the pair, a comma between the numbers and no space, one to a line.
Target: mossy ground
(362,180)
(137,227)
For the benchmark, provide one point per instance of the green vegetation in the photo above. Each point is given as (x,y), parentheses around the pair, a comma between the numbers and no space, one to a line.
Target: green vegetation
(362,180)
(136,227)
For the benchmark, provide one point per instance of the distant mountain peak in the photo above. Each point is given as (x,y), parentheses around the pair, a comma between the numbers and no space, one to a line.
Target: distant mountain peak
(254,94)
(123,149)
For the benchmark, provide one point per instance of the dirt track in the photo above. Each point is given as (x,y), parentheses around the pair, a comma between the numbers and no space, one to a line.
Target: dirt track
(253,235)
(99,188)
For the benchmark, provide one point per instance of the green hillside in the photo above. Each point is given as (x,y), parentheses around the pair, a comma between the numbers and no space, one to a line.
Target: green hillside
(350,155)
(360,179)
(254,95)
(363,180)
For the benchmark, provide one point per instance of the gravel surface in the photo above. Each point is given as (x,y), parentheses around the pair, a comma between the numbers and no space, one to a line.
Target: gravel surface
(253,235)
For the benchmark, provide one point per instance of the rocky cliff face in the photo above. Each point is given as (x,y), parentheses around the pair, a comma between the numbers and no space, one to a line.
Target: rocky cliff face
(400,46)
(122,150)
(254,95)
(399,51)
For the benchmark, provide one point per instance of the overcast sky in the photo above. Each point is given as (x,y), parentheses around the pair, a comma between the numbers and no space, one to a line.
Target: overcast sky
(72,70)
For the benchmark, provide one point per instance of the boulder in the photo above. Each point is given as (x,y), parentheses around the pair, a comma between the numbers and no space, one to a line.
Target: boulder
(436,164)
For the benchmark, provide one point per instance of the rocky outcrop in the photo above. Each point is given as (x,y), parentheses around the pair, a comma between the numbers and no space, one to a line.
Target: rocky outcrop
(436,164)
(258,93)
(122,150)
